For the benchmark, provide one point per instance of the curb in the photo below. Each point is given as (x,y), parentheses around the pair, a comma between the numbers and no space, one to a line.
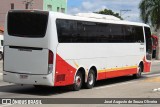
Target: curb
(156,61)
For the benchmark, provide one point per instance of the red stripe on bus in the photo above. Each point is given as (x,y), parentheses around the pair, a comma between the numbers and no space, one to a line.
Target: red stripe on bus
(116,73)
(64,74)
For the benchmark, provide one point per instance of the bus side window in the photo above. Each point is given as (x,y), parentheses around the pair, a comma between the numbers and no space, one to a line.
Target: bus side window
(117,33)
(139,36)
(129,34)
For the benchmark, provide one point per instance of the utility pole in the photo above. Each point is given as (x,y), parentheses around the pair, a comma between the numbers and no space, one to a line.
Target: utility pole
(125,11)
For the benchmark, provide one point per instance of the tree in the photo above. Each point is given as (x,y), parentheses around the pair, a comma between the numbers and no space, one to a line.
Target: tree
(150,13)
(109,12)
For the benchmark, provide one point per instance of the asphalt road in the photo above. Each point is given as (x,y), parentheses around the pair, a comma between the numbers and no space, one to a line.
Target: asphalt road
(122,87)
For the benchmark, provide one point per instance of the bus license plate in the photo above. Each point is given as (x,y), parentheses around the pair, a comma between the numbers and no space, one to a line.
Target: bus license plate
(23,76)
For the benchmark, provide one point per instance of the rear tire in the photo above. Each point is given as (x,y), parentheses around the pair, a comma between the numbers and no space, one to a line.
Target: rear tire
(139,72)
(78,82)
(90,80)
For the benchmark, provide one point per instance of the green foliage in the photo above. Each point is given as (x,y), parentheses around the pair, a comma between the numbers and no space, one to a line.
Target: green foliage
(109,12)
(150,12)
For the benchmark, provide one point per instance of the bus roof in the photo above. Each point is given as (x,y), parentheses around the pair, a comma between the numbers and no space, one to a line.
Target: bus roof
(102,20)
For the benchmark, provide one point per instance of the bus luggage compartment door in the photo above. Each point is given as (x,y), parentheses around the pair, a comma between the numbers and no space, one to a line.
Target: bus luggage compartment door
(26,60)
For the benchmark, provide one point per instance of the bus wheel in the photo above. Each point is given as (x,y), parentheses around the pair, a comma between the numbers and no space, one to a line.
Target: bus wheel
(1,56)
(91,79)
(78,81)
(139,72)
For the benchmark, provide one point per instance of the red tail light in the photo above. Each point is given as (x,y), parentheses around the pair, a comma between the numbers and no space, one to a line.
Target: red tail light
(50,61)
(50,57)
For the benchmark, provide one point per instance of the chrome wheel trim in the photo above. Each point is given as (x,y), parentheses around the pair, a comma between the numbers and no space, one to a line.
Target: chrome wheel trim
(139,73)
(90,79)
(78,80)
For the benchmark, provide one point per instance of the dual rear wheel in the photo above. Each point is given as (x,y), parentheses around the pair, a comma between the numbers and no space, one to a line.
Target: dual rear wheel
(91,79)
(79,80)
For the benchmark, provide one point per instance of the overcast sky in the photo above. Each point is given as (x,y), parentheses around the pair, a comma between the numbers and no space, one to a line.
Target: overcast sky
(77,6)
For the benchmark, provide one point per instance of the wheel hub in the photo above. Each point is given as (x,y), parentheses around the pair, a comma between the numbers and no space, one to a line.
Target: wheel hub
(139,71)
(78,80)
(90,79)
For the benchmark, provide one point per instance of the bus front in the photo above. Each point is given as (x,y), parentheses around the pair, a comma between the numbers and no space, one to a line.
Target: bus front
(28,55)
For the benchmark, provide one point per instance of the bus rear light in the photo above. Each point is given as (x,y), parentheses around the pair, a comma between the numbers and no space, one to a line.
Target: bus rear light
(50,61)
(50,57)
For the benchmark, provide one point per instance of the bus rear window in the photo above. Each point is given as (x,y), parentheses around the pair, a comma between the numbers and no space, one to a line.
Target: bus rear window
(31,24)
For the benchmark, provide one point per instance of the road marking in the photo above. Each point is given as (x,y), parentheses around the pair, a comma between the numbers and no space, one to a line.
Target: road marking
(119,84)
(156,61)
(1,73)
(156,89)
(152,75)
(153,79)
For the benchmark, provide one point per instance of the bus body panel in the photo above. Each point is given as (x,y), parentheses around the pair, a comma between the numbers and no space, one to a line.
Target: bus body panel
(31,79)
(64,72)
(108,55)
(21,60)
(106,60)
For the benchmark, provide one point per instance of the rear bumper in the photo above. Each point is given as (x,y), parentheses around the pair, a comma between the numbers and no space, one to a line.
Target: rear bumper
(32,79)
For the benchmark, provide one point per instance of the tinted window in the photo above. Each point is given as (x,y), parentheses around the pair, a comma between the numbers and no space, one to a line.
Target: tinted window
(93,32)
(139,34)
(82,32)
(117,33)
(27,24)
(89,33)
(103,33)
(67,31)
(129,33)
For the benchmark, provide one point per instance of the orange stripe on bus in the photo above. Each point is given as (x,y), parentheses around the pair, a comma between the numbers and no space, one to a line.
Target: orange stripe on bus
(116,69)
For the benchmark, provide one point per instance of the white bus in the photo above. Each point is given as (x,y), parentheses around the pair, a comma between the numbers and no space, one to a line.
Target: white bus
(55,49)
